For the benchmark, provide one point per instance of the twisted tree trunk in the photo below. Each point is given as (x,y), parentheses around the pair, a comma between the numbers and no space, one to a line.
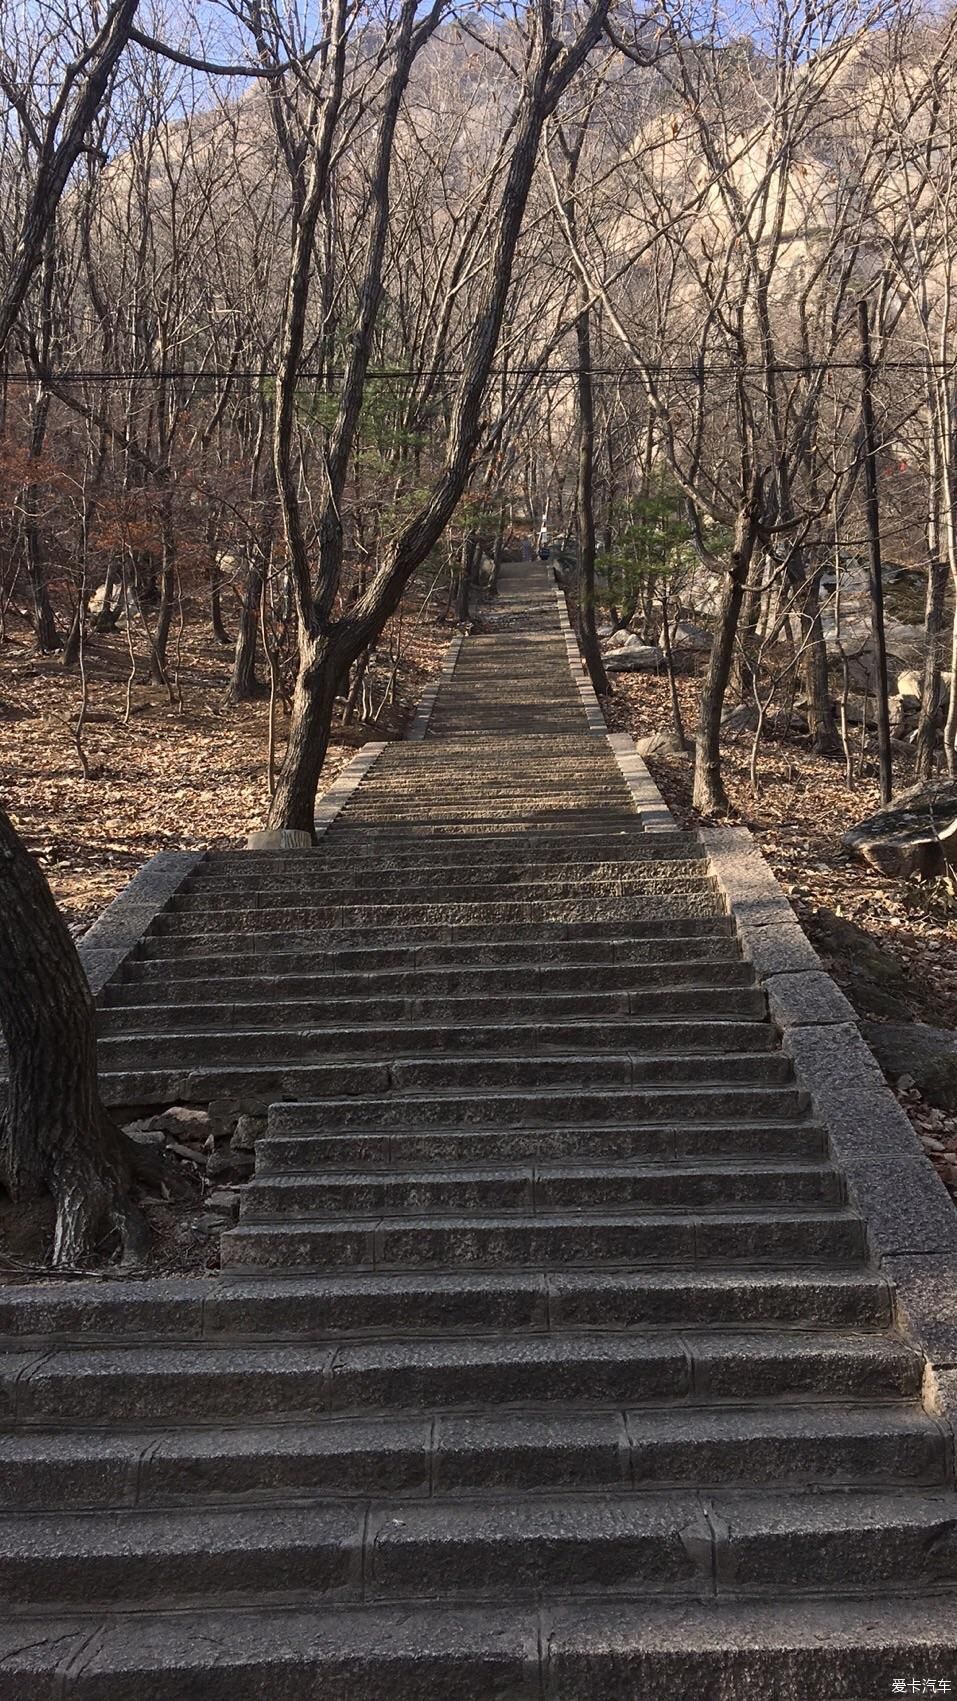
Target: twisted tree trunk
(55,1135)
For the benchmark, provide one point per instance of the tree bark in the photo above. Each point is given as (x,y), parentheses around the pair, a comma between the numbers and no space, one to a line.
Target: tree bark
(55,1134)
(244,685)
(709,795)
(320,672)
(587,631)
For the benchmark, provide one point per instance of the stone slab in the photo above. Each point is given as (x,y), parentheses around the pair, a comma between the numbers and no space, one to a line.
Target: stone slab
(809,998)
(925,1289)
(778,949)
(905,1204)
(746,880)
(849,1094)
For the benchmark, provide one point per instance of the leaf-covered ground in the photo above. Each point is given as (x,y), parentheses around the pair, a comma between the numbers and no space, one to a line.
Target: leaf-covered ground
(168,777)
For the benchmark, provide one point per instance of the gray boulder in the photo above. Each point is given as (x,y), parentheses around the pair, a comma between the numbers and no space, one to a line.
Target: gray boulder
(928,1055)
(686,636)
(916,835)
(742,718)
(662,743)
(634,657)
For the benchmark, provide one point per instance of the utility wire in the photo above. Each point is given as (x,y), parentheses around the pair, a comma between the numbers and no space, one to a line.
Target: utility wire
(690,371)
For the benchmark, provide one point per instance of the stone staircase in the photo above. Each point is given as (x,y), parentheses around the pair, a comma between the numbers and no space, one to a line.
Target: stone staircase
(547,1360)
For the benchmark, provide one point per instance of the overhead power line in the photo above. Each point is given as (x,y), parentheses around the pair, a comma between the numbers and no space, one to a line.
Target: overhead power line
(693,373)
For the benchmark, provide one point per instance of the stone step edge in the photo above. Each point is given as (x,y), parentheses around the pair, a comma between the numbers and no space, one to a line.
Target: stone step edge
(180,1309)
(842,1647)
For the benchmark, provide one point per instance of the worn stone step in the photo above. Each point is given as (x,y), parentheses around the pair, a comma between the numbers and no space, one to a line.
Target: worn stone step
(294,1038)
(303,899)
(415,1456)
(650,929)
(293,1142)
(308,1308)
(568,822)
(531,1191)
(610,1236)
(501,869)
(228,1383)
(847,1648)
(543,1108)
(708,952)
(740,1005)
(456,913)
(631,844)
(473,1547)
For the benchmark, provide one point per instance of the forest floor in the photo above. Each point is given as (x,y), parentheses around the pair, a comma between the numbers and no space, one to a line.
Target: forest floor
(166,775)
(891,945)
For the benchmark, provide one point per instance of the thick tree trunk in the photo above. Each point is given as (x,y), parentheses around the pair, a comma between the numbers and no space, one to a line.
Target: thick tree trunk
(244,685)
(293,803)
(216,605)
(55,1135)
(709,795)
(587,632)
(817,685)
(44,624)
(928,725)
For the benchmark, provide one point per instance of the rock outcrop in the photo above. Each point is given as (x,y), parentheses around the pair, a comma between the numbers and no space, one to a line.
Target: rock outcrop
(915,836)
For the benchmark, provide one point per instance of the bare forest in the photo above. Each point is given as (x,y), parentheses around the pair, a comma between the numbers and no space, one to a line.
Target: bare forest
(309,318)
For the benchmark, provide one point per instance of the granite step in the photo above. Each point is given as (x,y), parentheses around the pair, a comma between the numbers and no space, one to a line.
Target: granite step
(309,1005)
(472,1548)
(615,1237)
(293,1142)
(413,1455)
(301,1033)
(849,1648)
(295,1307)
(532,1191)
(229,1382)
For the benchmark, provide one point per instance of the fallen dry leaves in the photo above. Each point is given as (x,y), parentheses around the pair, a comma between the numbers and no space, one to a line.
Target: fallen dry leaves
(172,778)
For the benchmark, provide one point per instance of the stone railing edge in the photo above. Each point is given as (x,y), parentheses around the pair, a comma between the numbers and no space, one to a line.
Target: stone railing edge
(910,1220)
(124,922)
(423,714)
(656,817)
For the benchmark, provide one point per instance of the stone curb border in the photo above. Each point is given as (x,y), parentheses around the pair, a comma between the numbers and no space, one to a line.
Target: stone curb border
(910,1219)
(656,817)
(349,778)
(105,945)
(423,714)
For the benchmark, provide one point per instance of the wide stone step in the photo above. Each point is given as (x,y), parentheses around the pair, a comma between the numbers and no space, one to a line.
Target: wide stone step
(844,1647)
(291,1038)
(499,868)
(662,1102)
(146,1014)
(299,1307)
(293,1142)
(631,844)
(610,1237)
(449,885)
(351,1193)
(472,1547)
(415,1456)
(652,930)
(704,959)
(567,822)
(230,1383)
(478,912)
